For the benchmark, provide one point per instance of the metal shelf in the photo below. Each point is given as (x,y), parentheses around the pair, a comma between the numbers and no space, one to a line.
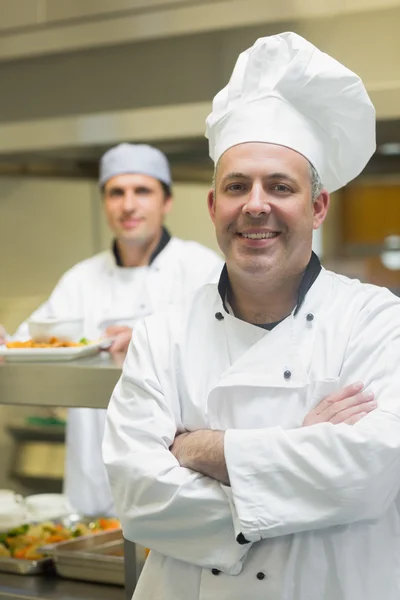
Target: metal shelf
(87,382)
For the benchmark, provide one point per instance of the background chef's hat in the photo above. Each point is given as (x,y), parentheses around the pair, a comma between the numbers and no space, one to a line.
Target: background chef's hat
(285,91)
(134,158)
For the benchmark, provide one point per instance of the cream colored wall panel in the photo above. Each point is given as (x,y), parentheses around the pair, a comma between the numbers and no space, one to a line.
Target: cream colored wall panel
(367,43)
(189,218)
(362,5)
(387,101)
(18,13)
(46,226)
(60,9)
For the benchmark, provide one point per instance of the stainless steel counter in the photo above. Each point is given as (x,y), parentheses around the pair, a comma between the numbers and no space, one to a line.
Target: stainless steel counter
(15,587)
(86,382)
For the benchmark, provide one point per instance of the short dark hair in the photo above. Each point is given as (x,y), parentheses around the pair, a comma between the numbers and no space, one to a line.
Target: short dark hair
(166,189)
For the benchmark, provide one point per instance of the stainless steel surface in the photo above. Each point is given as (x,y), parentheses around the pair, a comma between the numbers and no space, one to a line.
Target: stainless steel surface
(87,382)
(24,567)
(13,587)
(97,558)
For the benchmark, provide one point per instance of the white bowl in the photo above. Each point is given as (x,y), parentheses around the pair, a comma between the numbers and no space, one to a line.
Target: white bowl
(10,498)
(12,516)
(47,506)
(66,330)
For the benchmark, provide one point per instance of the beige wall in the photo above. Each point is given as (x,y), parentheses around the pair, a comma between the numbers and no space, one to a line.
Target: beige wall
(46,225)
(189,218)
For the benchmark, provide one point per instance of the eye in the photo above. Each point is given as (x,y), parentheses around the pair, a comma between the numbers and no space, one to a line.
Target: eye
(235,188)
(143,191)
(281,188)
(115,193)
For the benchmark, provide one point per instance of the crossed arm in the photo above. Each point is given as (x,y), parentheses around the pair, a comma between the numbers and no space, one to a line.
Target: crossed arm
(203,450)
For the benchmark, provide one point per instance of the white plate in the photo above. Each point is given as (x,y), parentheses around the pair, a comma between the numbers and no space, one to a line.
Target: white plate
(52,354)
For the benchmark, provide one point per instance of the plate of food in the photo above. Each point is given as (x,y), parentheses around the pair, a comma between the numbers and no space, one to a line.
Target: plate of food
(21,548)
(52,350)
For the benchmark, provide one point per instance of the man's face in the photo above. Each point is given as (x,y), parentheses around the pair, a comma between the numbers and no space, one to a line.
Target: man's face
(263,211)
(135,207)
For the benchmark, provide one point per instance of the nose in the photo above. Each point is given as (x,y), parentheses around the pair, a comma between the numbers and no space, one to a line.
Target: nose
(257,202)
(129,201)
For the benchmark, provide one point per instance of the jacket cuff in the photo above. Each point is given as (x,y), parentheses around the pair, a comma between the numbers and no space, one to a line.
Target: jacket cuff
(247,461)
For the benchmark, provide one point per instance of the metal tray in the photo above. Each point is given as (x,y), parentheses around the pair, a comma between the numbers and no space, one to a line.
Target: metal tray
(20,566)
(98,558)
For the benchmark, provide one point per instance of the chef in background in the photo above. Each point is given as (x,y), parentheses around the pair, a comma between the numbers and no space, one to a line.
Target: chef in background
(145,270)
(213,460)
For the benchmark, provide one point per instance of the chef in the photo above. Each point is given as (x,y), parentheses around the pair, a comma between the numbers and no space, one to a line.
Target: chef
(212,457)
(145,270)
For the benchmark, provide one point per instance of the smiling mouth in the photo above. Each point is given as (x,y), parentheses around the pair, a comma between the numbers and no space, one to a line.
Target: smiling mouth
(131,220)
(260,236)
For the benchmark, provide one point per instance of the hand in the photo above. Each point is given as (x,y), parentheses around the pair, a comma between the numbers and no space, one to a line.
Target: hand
(180,448)
(123,336)
(349,405)
(3,335)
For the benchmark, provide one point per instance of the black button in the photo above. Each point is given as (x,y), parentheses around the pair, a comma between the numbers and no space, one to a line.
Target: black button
(287,374)
(260,575)
(310,317)
(215,571)
(219,316)
(241,539)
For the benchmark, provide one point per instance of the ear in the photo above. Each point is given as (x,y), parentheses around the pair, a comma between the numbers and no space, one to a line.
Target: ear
(168,201)
(211,204)
(321,207)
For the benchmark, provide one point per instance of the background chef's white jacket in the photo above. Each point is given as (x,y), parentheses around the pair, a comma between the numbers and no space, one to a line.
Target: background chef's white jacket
(316,503)
(105,294)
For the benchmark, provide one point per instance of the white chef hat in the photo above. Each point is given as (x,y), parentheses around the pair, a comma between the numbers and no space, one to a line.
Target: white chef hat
(134,158)
(285,91)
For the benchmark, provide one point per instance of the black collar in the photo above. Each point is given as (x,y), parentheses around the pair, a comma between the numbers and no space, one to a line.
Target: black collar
(165,238)
(311,273)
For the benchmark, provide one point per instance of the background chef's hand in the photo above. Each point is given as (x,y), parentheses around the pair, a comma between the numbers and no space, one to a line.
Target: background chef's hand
(349,405)
(123,337)
(3,335)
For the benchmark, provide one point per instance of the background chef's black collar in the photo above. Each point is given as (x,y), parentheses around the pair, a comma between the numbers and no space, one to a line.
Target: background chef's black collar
(311,273)
(165,238)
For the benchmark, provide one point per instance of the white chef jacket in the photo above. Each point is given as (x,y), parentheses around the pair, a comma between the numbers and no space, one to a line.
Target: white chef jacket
(317,504)
(104,293)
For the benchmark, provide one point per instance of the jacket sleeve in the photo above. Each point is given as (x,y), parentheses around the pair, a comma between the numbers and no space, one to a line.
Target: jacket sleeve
(163,506)
(285,482)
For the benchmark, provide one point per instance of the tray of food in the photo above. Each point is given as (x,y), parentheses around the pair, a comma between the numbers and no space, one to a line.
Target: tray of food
(97,558)
(25,550)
